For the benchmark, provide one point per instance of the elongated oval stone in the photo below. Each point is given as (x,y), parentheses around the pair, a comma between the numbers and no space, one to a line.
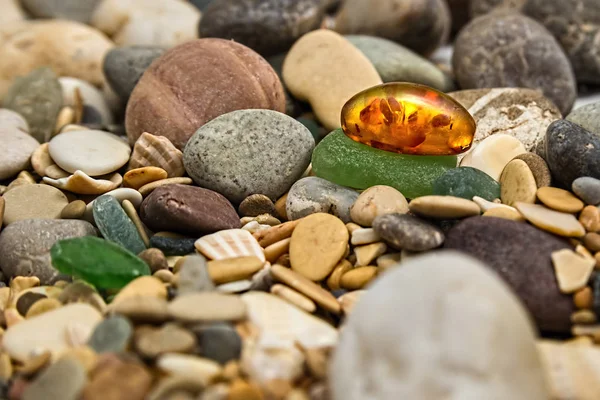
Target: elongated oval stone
(115,225)
(104,264)
(408,118)
(341,160)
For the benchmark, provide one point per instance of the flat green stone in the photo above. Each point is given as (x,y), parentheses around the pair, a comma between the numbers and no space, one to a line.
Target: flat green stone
(341,160)
(467,182)
(99,262)
(115,225)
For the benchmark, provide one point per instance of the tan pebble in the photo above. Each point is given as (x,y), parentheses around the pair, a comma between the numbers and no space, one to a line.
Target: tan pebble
(318,243)
(26,175)
(35,363)
(367,253)
(142,309)
(17,183)
(444,207)
(20,283)
(151,342)
(388,260)
(242,390)
(493,153)
(517,183)
(164,275)
(138,177)
(584,317)
(376,201)
(132,213)
(157,151)
(351,226)
(364,236)
(591,240)
(155,259)
(207,306)
(583,298)
(284,260)
(144,286)
(191,366)
(583,252)
(263,219)
(333,282)
(73,210)
(306,287)
(561,224)
(276,250)
(42,306)
(317,361)
(597,258)
(2,189)
(231,371)
(84,355)
(580,341)
(590,218)
(113,379)
(572,271)
(486,205)
(5,297)
(559,199)
(12,317)
(6,368)
(349,300)
(586,330)
(33,201)
(41,162)
(66,116)
(276,233)
(230,243)
(294,297)
(2,205)
(148,188)
(280,207)
(358,278)
(505,213)
(81,183)
(233,269)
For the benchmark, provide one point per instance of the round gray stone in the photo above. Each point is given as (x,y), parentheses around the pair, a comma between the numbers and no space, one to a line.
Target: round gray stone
(218,341)
(112,335)
(588,117)
(63,380)
(313,195)
(246,152)
(76,10)
(124,66)
(17,147)
(506,49)
(25,246)
(588,189)
(396,63)
(406,232)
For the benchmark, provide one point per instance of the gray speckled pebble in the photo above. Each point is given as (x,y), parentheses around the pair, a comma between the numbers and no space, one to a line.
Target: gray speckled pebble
(249,151)
(588,189)
(63,380)
(407,232)
(312,195)
(396,63)
(111,335)
(587,117)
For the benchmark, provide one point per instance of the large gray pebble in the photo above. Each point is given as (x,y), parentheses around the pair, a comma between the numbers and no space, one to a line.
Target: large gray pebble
(76,10)
(313,195)
(17,147)
(588,189)
(396,63)
(588,117)
(63,380)
(406,232)
(124,66)
(248,152)
(111,335)
(25,246)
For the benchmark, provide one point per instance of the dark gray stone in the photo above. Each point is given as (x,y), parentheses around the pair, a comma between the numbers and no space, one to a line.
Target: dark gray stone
(313,195)
(27,300)
(201,4)
(218,341)
(38,98)
(519,253)
(246,152)
(588,117)
(76,10)
(25,246)
(396,63)
(194,276)
(506,49)
(266,26)
(173,246)
(124,66)
(406,232)
(588,189)
(115,225)
(571,152)
(112,335)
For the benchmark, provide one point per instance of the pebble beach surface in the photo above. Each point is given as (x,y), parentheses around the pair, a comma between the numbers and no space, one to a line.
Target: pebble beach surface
(299,200)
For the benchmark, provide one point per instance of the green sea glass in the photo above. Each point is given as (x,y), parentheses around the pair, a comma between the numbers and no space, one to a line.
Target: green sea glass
(467,182)
(341,160)
(99,262)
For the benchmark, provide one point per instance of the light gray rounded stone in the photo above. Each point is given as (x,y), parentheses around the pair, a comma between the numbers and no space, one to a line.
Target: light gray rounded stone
(442,326)
(312,195)
(248,152)
(25,246)
(588,117)
(76,10)
(396,63)
(63,380)
(588,189)
(17,147)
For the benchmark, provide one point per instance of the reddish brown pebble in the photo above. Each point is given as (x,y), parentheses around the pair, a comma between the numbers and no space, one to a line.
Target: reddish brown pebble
(590,218)
(592,241)
(583,298)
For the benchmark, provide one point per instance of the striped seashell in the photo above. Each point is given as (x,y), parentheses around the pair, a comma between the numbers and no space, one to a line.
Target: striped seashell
(157,151)
(230,243)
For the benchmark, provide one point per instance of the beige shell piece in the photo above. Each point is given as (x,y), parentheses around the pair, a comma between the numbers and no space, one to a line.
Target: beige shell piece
(157,151)
(81,183)
(230,243)
(44,165)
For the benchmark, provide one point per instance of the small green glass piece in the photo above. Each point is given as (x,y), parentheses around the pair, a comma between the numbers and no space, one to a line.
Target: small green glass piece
(99,262)
(341,160)
(467,182)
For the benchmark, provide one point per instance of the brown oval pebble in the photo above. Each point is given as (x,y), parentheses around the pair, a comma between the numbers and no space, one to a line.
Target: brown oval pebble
(506,213)
(559,199)
(233,269)
(257,204)
(118,381)
(358,278)
(591,241)
(318,243)
(538,167)
(242,390)
(190,85)
(155,259)
(517,183)
(275,234)
(188,209)
(73,210)
(138,177)
(583,298)
(590,218)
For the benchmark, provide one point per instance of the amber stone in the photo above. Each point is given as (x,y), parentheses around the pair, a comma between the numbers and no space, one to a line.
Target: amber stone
(408,118)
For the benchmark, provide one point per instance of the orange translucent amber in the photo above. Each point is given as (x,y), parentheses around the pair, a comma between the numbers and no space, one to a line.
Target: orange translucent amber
(408,118)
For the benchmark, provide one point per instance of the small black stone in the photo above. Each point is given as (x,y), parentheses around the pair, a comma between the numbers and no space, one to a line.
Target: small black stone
(218,341)
(27,300)
(173,246)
